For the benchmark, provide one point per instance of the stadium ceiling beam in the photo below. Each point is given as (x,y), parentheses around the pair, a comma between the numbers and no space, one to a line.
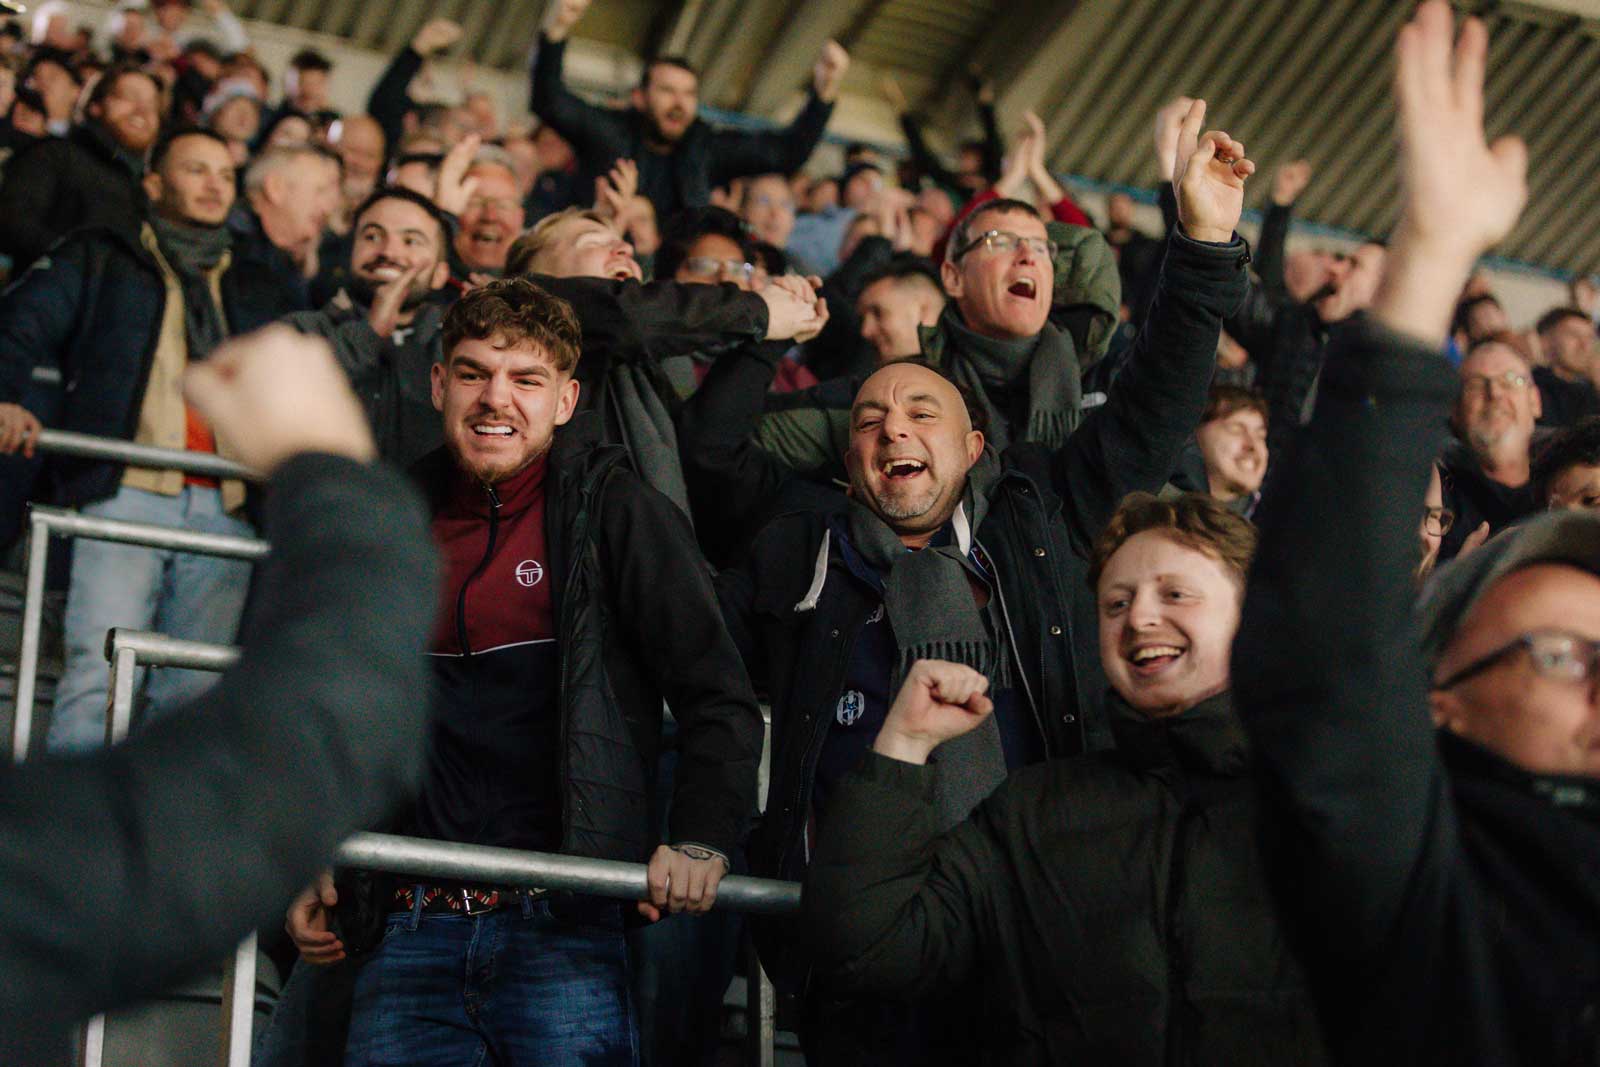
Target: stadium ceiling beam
(724,50)
(785,64)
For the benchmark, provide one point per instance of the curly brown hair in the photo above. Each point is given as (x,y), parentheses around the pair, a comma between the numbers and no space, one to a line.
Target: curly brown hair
(516,312)
(1193,520)
(1224,400)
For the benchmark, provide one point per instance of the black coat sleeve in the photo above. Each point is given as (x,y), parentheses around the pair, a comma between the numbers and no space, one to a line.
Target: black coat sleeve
(1133,441)
(922,156)
(630,321)
(994,147)
(391,97)
(126,869)
(1271,249)
(1327,670)
(892,907)
(38,313)
(738,153)
(595,133)
(667,605)
(28,194)
(731,478)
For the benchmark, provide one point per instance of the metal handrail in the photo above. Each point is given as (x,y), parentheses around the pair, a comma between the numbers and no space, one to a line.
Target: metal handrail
(83,446)
(127,650)
(515,869)
(45,522)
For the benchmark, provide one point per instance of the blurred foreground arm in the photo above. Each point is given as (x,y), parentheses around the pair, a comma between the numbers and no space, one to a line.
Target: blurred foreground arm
(127,869)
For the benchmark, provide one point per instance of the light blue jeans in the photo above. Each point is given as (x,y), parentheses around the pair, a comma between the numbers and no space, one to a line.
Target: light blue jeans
(180,594)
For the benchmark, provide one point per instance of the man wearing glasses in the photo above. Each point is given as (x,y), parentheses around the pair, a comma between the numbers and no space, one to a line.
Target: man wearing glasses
(946,543)
(1486,472)
(1443,882)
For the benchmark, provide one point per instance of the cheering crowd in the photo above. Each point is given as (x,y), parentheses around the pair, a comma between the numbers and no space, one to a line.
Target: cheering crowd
(1176,650)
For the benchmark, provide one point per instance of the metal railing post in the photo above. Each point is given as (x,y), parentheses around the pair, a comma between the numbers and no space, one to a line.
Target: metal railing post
(32,618)
(761,1010)
(45,522)
(239,1004)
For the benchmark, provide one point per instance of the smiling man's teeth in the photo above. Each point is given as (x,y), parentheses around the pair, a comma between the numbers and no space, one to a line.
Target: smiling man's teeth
(497,431)
(1150,652)
(898,467)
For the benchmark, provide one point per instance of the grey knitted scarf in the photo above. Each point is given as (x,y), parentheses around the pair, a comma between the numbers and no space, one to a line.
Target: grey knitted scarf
(194,252)
(1039,375)
(929,600)
(647,430)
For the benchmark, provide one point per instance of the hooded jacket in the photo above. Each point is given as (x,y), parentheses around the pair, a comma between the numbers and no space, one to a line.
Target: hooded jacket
(1116,906)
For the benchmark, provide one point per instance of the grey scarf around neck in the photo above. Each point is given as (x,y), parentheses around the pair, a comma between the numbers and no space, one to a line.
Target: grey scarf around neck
(928,597)
(1046,365)
(194,252)
(648,431)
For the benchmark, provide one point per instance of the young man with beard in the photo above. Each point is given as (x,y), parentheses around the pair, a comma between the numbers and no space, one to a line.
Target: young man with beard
(1441,882)
(89,177)
(122,316)
(1117,906)
(384,325)
(575,603)
(1566,386)
(680,158)
(948,548)
(1487,471)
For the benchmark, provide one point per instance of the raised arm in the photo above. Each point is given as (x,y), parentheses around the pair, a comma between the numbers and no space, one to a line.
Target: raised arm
(1288,182)
(1133,441)
(390,98)
(735,153)
(584,125)
(132,867)
(1327,669)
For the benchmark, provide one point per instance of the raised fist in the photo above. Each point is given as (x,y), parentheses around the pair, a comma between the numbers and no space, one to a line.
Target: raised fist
(1289,181)
(435,36)
(560,16)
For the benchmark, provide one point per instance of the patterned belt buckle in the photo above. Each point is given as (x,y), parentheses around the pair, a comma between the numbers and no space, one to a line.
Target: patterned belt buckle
(469,903)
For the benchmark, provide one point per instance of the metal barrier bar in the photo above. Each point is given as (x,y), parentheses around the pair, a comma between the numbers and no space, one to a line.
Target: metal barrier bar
(543,870)
(129,649)
(83,446)
(45,522)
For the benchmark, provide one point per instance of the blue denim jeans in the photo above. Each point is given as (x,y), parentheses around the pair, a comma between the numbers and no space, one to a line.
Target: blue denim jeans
(180,594)
(544,983)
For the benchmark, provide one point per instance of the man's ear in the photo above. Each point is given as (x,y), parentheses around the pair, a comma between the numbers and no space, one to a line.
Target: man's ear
(974,446)
(1538,400)
(950,274)
(436,374)
(567,402)
(1446,710)
(441,274)
(636,98)
(272,187)
(152,186)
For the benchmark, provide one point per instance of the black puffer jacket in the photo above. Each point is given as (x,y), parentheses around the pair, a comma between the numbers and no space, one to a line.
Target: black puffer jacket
(61,184)
(1116,905)
(637,622)
(1450,902)
(92,308)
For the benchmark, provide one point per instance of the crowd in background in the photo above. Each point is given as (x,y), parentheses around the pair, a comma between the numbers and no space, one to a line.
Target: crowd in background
(961,484)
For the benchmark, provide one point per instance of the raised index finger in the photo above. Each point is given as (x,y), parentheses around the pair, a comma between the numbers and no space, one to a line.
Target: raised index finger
(1189,132)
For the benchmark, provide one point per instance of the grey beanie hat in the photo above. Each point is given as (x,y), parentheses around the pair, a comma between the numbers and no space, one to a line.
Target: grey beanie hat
(1554,537)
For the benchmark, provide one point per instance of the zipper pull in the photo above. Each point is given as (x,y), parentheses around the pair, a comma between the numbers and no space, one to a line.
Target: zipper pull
(494,497)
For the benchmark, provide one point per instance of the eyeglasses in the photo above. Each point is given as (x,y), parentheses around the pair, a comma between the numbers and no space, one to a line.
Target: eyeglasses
(1437,521)
(1554,654)
(1511,381)
(711,267)
(1005,242)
